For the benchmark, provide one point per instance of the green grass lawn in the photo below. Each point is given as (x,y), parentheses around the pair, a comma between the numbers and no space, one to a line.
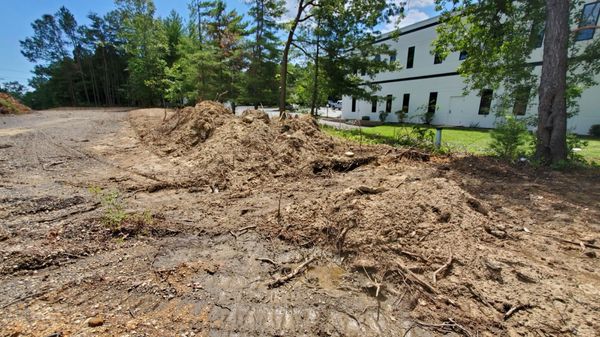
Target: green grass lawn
(457,139)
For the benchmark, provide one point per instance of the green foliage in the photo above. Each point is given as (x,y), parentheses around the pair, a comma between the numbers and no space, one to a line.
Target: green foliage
(574,145)
(401,115)
(347,32)
(415,136)
(114,213)
(425,114)
(8,105)
(383,115)
(595,130)
(509,135)
(261,84)
(13,88)
(116,218)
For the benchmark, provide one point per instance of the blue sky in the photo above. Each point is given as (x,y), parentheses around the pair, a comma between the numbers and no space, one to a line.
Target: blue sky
(17,16)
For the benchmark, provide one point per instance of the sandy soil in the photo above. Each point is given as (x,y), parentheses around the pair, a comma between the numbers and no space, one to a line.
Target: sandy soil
(514,251)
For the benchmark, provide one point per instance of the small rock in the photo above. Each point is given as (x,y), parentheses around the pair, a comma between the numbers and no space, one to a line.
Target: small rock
(349,154)
(95,321)
(590,253)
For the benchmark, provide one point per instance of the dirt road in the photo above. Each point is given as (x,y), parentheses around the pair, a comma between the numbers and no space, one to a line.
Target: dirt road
(63,273)
(245,226)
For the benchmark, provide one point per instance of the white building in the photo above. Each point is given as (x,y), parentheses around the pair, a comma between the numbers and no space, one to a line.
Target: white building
(423,79)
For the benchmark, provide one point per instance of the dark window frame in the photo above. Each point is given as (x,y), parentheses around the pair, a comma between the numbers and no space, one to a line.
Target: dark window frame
(521,102)
(405,103)
(388,103)
(485,103)
(410,58)
(463,55)
(373,104)
(588,34)
(437,59)
(432,103)
(393,56)
(353,104)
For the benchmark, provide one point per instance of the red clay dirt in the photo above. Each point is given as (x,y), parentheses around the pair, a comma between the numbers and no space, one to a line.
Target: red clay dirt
(400,243)
(10,105)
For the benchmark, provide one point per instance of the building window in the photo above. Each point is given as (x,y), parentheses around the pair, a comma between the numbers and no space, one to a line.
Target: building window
(405,103)
(393,57)
(377,58)
(353,104)
(486,101)
(388,104)
(432,102)
(437,59)
(536,39)
(410,60)
(521,101)
(463,55)
(589,17)
(373,104)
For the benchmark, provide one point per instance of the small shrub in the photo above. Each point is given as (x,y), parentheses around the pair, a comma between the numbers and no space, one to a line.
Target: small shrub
(595,130)
(510,133)
(383,116)
(114,213)
(401,114)
(574,145)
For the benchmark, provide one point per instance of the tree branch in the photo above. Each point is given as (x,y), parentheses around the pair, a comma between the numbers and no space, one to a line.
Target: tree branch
(306,18)
(303,50)
(584,28)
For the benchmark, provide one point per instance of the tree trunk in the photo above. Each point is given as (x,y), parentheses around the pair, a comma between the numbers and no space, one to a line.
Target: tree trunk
(316,76)
(552,111)
(284,58)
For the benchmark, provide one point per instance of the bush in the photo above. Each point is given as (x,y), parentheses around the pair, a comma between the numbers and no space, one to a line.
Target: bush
(427,117)
(595,130)
(401,114)
(383,116)
(574,145)
(510,133)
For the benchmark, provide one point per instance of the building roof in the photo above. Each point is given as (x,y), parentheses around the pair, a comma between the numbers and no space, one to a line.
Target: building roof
(432,21)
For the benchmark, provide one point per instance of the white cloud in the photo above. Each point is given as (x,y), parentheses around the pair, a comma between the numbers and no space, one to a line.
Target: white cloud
(420,3)
(411,16)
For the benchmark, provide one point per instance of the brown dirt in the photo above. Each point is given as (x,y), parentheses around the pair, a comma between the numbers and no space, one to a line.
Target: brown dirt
(523,243)
(9,105)
(222,151)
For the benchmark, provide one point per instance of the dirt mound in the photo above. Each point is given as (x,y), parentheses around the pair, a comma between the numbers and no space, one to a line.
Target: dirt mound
(479,264)
(226,151)
(9,105)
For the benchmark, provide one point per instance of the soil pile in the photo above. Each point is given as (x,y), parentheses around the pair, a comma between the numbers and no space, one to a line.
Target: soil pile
(476,265)
(222,150)
(9,105)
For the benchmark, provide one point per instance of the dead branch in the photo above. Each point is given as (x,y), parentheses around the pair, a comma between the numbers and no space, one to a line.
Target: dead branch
(426,286)
(245,229)
(451,325)
(369,190)
(282,280)
(66,215)
(443,268)
(588,245)
(515,309)
(264,259)
(279,207)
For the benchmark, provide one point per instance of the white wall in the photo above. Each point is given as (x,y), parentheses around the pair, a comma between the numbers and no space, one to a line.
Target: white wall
(453,109)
